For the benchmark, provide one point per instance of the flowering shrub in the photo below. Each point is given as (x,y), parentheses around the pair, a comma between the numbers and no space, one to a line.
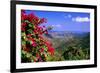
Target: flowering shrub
(35,48)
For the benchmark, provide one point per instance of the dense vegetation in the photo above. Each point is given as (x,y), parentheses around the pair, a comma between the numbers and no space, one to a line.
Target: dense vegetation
(76,49)
(72,48)
(34,47)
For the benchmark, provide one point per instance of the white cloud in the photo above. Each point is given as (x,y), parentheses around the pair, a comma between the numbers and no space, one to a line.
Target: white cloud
(81,19)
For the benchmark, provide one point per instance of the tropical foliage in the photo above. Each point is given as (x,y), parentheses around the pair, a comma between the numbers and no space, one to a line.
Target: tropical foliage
(35,48)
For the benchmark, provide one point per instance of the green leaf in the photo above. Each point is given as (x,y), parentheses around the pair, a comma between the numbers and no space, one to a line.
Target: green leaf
(23,52)
(23,33)
(30,25)
(28,42)
(23,42)
(28,55)
(26,21)
(45,48)
(29,31)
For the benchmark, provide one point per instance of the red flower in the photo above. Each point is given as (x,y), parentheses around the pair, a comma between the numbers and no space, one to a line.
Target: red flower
(48,43)
(26,49)
(34,44)
(42,20)
(23,17)
(31,39)
(29,35)
(38,30)
(40,54)
(23,25)
(51,50)
(42,49)
(31,17)
(37,55)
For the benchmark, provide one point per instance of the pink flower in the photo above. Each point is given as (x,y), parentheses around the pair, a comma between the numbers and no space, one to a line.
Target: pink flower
(23,25)
(51,50)
(34,44)
(42,49)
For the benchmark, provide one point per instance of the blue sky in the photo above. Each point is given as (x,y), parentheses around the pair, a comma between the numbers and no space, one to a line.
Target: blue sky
(65,21)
